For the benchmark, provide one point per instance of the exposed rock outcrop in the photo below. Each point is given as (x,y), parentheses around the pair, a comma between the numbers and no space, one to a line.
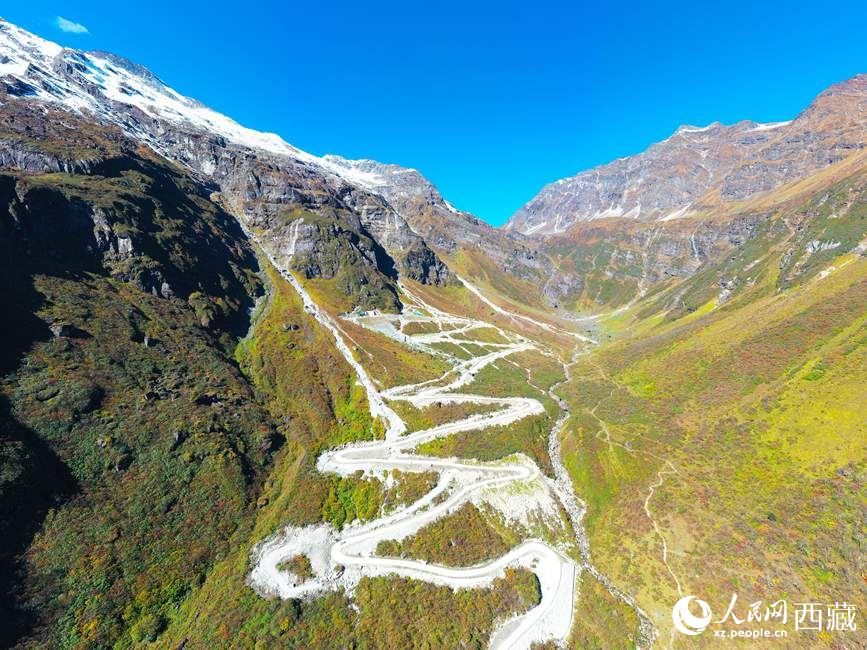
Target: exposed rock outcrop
(262,177)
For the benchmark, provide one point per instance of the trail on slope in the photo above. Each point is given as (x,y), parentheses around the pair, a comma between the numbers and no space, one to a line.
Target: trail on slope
(669,469)
(340,558)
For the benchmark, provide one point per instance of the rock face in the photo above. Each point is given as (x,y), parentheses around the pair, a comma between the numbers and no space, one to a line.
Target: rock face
(135,217)
(445,228)
(422,265)
(700,168)
(263,179)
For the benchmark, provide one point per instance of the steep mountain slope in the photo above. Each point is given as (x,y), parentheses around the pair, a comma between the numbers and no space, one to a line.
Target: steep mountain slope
(357,237)
(612,262)
(698,169)
(722,449)
(123,416)
(514,263)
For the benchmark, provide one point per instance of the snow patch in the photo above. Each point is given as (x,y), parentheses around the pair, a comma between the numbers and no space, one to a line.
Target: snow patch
(536,228)
(769,126)
(696,129)
(677,214)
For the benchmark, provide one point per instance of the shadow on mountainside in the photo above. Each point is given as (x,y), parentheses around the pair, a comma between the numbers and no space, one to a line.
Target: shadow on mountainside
(32,481)
(32,478)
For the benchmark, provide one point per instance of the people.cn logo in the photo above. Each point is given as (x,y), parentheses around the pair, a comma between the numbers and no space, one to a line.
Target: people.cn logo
(685,621)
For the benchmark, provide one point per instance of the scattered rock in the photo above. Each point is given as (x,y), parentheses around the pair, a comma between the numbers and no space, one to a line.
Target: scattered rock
(65,330)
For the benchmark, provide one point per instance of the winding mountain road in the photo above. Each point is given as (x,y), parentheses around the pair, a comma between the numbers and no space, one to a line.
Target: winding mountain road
(340,558)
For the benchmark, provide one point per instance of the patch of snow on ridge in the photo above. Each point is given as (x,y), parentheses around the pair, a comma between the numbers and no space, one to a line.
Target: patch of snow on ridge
(768,126)
(696,129)
(538,226)
(117,83)
(351,172)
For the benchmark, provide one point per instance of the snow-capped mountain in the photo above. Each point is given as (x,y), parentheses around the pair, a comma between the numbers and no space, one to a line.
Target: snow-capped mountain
(392,219)
(699,168)
(128,94)
(261,176)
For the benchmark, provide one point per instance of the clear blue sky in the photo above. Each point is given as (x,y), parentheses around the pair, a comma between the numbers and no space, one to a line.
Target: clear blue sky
(489,101)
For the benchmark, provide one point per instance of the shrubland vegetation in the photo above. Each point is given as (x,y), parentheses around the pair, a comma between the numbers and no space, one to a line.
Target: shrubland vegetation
(400,613)
(756,404)
(529,435)
(298,565)
(413,328)
(138,444)
(439,413)
(463,538)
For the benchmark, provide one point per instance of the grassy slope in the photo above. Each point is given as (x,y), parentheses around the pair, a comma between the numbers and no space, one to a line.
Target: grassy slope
(463,538)
(387,361)
(757,405)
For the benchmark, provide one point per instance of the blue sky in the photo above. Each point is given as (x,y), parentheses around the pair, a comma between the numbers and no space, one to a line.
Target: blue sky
(489,100)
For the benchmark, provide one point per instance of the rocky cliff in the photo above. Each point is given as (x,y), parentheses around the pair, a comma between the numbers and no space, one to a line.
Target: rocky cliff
(452,233)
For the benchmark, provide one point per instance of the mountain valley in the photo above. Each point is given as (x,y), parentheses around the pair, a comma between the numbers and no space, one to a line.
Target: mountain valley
(253,397)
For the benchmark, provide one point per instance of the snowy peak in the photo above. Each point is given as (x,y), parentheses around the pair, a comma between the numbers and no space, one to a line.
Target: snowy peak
(698,167)
(94,81)
(121,92)
(112,87)
(19,49)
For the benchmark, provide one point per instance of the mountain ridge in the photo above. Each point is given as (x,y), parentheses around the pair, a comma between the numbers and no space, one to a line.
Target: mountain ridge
(678,176)
(265,179)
